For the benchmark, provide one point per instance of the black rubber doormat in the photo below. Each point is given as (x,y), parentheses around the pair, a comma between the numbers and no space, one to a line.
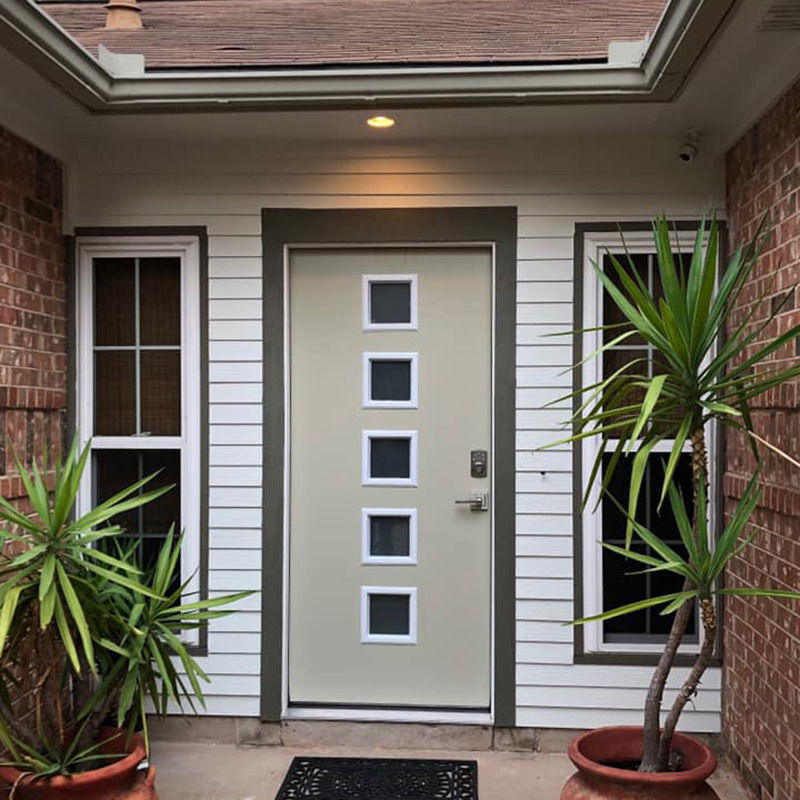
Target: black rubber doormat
(380,779)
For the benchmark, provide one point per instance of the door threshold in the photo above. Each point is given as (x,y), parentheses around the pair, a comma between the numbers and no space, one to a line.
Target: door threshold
(440,716)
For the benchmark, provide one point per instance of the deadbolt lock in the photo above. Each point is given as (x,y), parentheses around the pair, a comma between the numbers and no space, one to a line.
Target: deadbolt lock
(479,463)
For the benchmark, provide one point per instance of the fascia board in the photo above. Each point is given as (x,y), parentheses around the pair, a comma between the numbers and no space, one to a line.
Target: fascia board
(31,34)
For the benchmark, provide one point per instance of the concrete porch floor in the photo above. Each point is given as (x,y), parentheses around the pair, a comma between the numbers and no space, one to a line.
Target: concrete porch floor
(204,771)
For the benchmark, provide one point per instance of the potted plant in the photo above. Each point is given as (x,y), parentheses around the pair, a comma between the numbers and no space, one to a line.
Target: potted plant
(701,378)
(89,642)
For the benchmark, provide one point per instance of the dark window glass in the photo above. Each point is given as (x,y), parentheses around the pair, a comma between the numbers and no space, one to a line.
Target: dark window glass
(643,265)
(389,536)
(161,392)
(391,380)
(160,301)
(620,587)
(390,458)
(390,302)
(389,614)
(115,393)
(146,527)
(114,302)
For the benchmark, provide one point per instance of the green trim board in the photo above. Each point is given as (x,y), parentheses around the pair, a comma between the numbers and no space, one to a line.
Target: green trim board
(285,227)
(580,654)
(201,649)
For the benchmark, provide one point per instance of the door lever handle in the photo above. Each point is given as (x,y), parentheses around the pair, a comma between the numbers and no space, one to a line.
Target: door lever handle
(478,501)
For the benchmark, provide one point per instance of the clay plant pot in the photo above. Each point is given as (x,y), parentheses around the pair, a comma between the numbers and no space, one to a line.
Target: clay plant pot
(593,751)
(120,780)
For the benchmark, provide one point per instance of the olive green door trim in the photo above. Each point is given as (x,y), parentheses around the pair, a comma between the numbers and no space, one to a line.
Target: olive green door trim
(285,227)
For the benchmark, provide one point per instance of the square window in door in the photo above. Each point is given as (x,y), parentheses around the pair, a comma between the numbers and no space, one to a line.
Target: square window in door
(389,458)
(388,615)
(389,302)
(389,536)
(390,380)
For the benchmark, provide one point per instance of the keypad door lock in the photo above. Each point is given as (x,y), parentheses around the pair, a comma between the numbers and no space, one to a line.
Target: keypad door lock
(479,463)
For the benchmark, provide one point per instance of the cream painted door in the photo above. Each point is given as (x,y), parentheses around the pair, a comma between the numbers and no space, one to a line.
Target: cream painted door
(389,578)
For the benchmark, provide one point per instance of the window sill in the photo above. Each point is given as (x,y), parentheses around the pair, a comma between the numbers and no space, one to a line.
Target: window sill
(637,659)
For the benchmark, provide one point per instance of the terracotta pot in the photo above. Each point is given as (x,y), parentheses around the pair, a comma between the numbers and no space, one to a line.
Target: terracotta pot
(592,751)
(120,780)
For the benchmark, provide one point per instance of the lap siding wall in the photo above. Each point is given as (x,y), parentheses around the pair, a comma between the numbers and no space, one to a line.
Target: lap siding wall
(554,185)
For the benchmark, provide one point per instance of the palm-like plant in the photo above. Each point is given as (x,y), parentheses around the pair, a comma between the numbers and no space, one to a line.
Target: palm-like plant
(74,615)
(699,378)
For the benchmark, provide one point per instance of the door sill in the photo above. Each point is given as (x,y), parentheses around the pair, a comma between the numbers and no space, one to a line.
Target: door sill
(443,716)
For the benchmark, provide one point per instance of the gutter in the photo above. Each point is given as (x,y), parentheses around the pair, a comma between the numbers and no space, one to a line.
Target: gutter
(682,34)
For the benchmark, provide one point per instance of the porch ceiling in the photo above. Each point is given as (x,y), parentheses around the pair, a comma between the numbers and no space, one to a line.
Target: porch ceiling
(36,102)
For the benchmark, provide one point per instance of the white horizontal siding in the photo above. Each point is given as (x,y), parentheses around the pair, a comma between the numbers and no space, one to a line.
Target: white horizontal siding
(554,185)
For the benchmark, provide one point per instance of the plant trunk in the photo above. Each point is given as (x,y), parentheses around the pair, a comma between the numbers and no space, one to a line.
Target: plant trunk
(689,688)
(655,692)
(655,743)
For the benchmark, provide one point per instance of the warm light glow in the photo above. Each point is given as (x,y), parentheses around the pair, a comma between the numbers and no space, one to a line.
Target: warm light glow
(381,122)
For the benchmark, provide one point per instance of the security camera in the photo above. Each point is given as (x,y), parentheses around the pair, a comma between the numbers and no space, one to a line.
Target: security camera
(687,153)
(691,146)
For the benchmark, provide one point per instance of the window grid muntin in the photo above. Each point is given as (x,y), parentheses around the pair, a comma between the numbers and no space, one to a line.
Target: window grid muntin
(649,519)
(140,534)
(137,348)
(642,638)
(646,347)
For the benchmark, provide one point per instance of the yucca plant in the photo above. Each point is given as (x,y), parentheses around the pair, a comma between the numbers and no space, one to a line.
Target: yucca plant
(85,635)
(699,378)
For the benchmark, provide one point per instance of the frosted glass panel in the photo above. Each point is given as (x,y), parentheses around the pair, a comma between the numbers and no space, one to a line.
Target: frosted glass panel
(390,536)
(390,458)
(389,614)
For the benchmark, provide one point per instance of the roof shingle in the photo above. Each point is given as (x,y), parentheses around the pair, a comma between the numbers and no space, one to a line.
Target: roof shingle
(305,33)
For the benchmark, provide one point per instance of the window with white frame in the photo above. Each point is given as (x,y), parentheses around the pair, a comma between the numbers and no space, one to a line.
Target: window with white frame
(610,580)
(138,375)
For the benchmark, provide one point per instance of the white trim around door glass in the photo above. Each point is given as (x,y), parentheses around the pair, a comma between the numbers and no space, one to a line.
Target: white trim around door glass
(367,557)
(413,361)
(385,638)
(366,302)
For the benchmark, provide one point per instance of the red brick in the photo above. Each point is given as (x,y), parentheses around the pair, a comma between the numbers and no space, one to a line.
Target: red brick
(33,357)
(761,698)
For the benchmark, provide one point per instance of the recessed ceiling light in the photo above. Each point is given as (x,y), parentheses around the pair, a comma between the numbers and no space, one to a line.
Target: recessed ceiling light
(381,122)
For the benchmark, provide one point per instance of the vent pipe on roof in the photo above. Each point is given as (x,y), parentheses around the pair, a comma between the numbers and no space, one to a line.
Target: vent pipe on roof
(123,14)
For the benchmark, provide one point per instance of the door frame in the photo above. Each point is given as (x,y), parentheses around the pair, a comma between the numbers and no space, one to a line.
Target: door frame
(283,229)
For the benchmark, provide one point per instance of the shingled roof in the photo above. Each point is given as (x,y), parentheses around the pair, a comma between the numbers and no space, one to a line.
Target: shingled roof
(231,34)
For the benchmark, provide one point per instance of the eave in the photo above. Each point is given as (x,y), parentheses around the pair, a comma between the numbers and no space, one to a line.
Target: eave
(680,39)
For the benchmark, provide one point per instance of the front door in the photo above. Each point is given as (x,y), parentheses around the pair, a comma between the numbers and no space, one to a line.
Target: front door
(390,552)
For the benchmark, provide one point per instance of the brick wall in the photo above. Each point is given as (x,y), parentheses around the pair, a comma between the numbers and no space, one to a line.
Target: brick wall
(33,357)
(762,637)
